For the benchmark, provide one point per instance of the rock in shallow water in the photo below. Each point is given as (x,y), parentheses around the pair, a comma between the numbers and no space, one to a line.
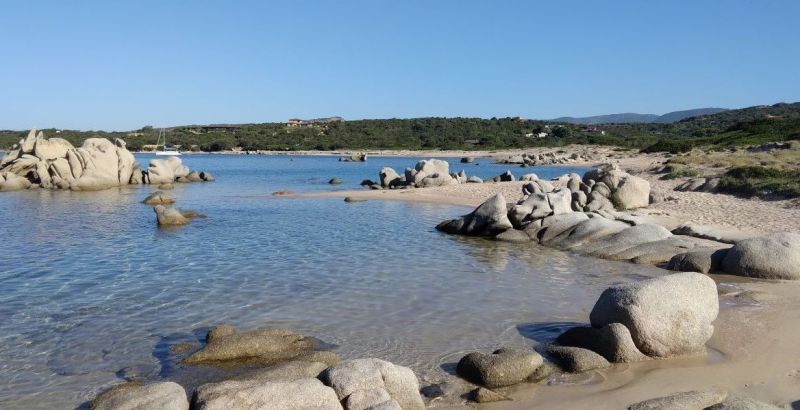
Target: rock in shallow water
(159,198)
(613,342)
(169,216)
(489,219)
(228,347)
(484,395)
(504,367)
(576,359)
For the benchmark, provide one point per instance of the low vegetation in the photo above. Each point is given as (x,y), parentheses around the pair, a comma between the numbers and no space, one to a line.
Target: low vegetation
(764,182)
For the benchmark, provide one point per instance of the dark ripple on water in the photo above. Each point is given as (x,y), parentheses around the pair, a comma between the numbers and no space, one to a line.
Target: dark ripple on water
(91,286)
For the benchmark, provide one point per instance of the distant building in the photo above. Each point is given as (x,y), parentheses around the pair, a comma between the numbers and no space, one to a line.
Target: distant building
(297,122)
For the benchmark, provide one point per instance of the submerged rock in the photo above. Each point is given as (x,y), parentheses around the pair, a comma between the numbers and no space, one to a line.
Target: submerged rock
(227,347)
(503,367)
(335,181)
(132,395)
(666,316)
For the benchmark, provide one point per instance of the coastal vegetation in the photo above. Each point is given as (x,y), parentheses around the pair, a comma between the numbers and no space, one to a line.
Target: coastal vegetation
(733,128)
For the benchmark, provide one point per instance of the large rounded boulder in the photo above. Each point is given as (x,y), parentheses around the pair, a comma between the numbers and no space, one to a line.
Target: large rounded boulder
(667,316)
(771,257)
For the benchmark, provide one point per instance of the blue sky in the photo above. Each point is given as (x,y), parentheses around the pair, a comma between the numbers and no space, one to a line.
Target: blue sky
(120,65)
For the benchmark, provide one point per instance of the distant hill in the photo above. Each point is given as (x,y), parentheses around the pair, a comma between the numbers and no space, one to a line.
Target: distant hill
(628,118)
(676,116)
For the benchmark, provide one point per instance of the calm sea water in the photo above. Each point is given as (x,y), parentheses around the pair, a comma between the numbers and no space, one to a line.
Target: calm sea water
(90,285)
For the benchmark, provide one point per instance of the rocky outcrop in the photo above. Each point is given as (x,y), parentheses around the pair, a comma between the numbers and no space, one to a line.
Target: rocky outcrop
(489,219)
(364,383)
(155,396)
(610,185)
(545,158)
(503,367)
(97,164)
(355,157)
(776,256)
(666,316)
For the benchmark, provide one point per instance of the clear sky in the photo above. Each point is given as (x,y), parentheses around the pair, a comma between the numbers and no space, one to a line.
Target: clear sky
(118,65)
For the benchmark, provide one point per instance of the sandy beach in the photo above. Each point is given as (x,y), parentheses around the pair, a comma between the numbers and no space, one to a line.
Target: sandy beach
(752,352)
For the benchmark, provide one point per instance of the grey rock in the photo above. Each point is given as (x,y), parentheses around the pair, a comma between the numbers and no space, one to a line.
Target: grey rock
(555,225)
(700,260)
(350,376)
(166,216)
(529,177)
(513,235)
(489,219)
(260,346)
(590,230)
(467,160)
(691,400)
(366,398)
(560,201)
(710,232)
(286,372)
(159,198)
(388,177)
(354,199)
(666,316)
(206,176)
(625,239)
(335,181)
(536,206)
(633,192)
(776,256)
(504,367)
(474,180)
(602,189)
(612,341)
(743,403)
(155,396)
(484,395)
(576,359)
(507,177)
(302,394)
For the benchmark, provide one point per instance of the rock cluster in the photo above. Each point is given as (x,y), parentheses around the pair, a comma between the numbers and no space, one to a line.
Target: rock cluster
(428,173)
(298,377)
(39,162)
(548,158)
(699,185)
(354,157)
(651,319)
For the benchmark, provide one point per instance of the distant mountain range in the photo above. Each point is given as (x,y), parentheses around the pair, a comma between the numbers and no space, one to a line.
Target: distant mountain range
(630,117)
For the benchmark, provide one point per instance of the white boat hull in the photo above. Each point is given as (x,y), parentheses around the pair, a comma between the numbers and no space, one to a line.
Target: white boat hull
(168,153)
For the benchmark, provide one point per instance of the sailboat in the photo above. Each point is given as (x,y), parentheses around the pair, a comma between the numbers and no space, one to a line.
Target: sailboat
(165,149)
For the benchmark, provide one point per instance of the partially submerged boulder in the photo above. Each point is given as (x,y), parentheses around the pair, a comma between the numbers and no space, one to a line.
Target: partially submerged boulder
(168,216)
(666,316)
(489,219)
(503,367)
(576,359)
(132,395)
(226,347)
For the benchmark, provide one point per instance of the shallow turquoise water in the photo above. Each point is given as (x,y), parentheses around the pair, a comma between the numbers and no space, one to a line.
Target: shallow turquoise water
(90,285)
